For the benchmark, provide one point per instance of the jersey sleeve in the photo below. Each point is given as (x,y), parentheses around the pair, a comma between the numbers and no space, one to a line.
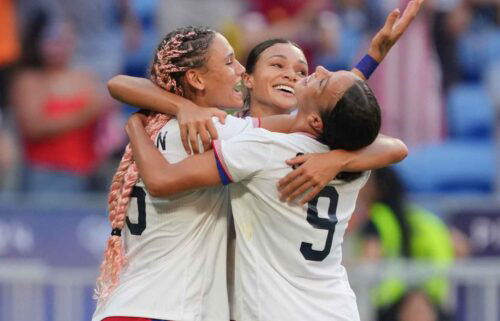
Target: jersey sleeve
(234,126)
(243,156)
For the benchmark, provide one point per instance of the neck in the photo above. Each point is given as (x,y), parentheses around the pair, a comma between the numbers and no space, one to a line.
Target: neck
(260,110)
(199,100)
(301,125)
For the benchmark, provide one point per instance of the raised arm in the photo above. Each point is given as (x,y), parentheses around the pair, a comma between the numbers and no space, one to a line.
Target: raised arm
(162,178)
(316,170)
(394,27)
(193,119)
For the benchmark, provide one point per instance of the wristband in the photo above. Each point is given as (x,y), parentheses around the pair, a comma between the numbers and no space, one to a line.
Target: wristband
(367,66)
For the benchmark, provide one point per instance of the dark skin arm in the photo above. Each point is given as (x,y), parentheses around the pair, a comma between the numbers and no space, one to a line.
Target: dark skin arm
(193,120)
(317,170)
(394,27)
(163,179)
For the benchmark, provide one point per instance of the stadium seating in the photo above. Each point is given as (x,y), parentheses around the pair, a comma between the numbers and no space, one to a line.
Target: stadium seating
(470,113)
(450,167)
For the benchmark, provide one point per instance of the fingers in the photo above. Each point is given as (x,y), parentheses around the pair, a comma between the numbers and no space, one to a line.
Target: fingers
(193,138)
(408,15)
(297,161)
(391,20)
(184,138)
(290,188)
(312,194)
(290,177)
(301,190)
(212,131)
(205,137)
(220,114)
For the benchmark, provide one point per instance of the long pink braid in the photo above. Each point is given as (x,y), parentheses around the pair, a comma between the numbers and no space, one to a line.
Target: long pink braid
(127,174)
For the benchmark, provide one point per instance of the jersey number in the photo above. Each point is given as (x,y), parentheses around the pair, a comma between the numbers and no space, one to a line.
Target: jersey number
(321,223)
(140,226)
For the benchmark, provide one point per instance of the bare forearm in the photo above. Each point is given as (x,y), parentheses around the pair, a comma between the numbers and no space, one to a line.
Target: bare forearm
(383,152)
(164,179)
(152,166)
(145,94)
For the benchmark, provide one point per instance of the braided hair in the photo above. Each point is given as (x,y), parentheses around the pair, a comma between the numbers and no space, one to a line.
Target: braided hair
(180,50)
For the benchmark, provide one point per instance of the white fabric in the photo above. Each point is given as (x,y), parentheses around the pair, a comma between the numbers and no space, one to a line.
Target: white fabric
(177,266)
(274,279)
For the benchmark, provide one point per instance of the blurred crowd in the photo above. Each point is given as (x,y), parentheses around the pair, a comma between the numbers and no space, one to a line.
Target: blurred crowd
(439,89)
(438,86)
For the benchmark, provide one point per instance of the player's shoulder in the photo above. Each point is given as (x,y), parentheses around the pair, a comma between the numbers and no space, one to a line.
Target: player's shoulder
(233,125)
(255,134)
(231,120)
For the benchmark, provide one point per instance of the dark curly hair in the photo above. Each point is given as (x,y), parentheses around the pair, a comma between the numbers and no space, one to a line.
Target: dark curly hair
(353,123)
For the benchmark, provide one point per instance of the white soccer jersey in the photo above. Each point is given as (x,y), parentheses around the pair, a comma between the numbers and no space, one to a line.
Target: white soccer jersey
(288,258)
(176,247)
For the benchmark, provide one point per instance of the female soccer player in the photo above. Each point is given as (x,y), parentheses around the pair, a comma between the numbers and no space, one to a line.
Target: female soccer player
(173,264)
(288,256)
(185,65)
(271,70)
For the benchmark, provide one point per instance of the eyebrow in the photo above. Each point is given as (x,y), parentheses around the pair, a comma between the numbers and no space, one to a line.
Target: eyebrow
(285,57)
(231,54)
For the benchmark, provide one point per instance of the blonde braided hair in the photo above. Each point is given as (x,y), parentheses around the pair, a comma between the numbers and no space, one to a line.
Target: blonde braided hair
(180,50)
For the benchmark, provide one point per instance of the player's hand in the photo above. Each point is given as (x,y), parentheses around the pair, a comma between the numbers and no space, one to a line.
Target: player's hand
(313,173)
(395,25)
(194,121)
(135,121)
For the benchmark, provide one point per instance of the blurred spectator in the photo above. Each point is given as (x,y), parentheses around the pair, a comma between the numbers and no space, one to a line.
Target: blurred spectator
(451,19)
(305,22)
(397,229)
(106,30)
(172,14)
(350,25)
(7,151)
(56,107)
(10,48)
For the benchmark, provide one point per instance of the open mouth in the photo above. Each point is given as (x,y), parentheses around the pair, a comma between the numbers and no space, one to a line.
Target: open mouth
(285,89)
(238,87)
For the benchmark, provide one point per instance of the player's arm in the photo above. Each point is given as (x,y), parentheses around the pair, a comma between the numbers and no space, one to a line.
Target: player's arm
(193,120)
(162,178)
(394,27)
(316,170)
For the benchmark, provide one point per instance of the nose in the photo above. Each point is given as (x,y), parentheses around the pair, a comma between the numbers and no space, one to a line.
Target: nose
(321,70)
(291,75)
(240,69)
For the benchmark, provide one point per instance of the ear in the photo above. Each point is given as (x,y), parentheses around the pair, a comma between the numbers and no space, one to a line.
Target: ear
(247,80)
(194,79)
(314,121)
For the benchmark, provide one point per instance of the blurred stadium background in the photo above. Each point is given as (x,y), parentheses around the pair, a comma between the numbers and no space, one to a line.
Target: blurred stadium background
(440,93)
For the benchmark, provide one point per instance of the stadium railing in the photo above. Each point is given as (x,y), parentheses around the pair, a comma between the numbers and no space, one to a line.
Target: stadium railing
(474,292)
(33,291)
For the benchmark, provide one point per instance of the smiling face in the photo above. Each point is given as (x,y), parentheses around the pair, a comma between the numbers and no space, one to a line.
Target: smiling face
(276,72)
(323,89)
(221,75)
